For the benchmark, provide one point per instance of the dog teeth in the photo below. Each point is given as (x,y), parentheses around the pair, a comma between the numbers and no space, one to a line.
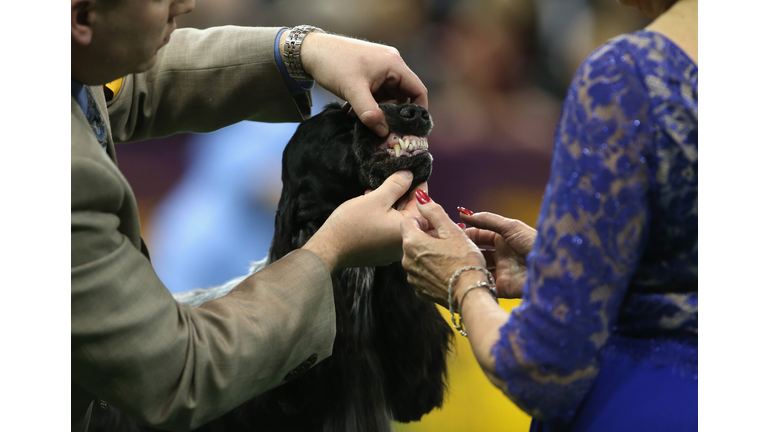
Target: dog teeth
(409,144)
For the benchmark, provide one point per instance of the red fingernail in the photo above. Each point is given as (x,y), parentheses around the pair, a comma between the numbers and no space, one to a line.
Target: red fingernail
(465,211)
(422,196)
(462,225)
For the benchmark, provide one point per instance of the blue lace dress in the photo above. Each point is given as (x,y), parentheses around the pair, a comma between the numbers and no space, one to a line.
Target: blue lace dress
(606,337)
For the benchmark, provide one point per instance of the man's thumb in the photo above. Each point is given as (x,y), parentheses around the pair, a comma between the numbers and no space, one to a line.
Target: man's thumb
(394,187)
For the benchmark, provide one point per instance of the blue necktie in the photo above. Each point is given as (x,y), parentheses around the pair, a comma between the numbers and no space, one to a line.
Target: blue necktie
(93,116)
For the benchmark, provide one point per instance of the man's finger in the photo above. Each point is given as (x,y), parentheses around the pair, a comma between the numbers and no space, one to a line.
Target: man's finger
(410,86)
(393,187)
(401,203)
(368,110)
(424,186)
(410,226)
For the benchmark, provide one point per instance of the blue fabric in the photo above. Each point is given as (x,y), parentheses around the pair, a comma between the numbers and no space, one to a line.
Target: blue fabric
(613,272)
(87,103)
(634,396)
(294,86)
(80,96)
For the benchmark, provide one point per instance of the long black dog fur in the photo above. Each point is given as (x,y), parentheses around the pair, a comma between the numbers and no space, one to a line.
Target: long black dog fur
(389,355)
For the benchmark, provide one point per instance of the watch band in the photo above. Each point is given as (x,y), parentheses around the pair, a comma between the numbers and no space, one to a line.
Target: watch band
(292,51)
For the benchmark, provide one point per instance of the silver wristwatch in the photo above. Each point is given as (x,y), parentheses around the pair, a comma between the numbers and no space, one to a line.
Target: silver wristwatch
(292,51)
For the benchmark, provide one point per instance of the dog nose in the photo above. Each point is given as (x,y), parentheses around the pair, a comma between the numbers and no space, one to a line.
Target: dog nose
(412,111)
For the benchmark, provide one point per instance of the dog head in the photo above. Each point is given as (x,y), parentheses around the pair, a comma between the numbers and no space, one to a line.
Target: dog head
(389,346)
(334,157)
(405,148)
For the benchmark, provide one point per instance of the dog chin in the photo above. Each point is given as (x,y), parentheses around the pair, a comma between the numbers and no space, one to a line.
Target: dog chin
(381,166)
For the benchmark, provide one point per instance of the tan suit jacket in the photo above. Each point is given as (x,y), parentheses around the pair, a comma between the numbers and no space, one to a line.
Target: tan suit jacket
(169,365)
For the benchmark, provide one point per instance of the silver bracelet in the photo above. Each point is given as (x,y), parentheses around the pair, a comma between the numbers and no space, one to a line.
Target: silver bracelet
(479,284)
(452,281)
(292,51)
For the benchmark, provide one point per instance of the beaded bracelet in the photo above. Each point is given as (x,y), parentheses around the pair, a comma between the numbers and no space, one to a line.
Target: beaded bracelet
(452,281)
(479,284)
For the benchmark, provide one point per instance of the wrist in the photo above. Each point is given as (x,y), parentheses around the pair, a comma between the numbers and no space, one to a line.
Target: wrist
(452,288)
(326,251)
(464,281)
(473,296)
(299,51)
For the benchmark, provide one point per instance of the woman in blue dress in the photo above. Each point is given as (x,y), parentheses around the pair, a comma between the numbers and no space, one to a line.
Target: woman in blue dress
(606,336)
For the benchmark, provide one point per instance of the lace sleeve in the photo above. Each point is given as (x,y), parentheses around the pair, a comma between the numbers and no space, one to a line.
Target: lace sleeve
(592,230)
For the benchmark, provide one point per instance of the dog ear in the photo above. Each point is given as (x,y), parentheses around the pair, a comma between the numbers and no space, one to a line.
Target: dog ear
(316,177)
(282,243)
(413,342)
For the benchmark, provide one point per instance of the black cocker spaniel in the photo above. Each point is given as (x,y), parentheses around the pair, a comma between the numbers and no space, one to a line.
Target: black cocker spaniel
(389,355)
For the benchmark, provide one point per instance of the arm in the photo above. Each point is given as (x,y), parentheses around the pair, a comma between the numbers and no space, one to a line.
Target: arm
(381,242)
(348,239)
(204,80)
(592,231)
(362,73)
(431,260)
(177,367)
(169,365)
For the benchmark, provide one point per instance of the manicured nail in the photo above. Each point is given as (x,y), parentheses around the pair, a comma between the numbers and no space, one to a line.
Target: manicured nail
(465,211)
(422,196)
(462,225)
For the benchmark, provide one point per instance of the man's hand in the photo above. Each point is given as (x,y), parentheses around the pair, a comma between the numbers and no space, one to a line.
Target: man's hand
(362,73)
(364,231)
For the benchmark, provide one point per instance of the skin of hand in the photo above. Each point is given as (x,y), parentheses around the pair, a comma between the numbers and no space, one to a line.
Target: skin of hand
(506,243)
(362,73)
(431,261)
(364,231)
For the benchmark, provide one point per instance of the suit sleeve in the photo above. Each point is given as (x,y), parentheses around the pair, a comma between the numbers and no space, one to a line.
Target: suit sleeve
(170,365)
(204,80)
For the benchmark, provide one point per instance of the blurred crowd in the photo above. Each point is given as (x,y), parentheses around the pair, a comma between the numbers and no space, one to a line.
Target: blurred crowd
(497,72)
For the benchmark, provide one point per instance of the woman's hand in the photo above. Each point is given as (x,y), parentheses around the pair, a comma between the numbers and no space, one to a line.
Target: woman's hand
(431,261)
(362,73)
(506,244)
(364,231)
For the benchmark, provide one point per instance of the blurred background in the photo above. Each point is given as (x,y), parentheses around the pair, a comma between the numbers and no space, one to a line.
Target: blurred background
(497,72)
